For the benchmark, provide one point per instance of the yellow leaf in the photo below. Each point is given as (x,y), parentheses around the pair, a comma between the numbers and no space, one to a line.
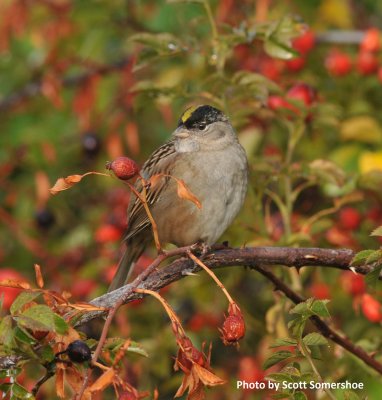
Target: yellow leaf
(370,161)
(337,13)
(363,129)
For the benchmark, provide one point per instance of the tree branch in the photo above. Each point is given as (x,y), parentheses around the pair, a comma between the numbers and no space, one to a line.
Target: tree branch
(226,257)
(325,329)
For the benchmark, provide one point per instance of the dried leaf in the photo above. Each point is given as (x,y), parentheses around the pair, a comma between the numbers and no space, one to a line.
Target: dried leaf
(185,193)
(105,380)
(66,183)
(15,284)
(82,306)
(207,377)
(39,278)
(60,389)
(377,232)
(74,379)
(121,352)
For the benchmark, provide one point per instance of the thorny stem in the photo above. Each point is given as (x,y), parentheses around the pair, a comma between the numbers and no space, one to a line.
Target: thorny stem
(211,274)
(321,325)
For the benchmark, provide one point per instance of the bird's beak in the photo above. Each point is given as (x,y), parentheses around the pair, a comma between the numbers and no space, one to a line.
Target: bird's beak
(181,133)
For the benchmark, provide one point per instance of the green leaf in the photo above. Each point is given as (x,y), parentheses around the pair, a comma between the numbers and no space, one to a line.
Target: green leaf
(361,257)
(279,377)
(319,308)
(5,388)
(283,342)
(350,395)
(275,358)
(163,43)
(314,339)
(374,257)
(291,370)
(20,392)
(377,231)
(300,308)
(315,352)
(372,277)
(6,331)
(277,49)
(23,336)
(22,299)
(299,396)
(60,324)
(278,39)
(47,353)
(114,344)
(39,317)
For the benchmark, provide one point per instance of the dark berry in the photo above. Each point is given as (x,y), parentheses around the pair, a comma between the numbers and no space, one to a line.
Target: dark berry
(45,218)
(91,144)
(78,351)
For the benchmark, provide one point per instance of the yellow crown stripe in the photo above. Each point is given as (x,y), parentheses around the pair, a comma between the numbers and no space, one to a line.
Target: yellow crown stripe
(187,114)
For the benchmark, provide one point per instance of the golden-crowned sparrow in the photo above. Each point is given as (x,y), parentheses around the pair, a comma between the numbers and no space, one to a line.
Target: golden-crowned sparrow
(205,153)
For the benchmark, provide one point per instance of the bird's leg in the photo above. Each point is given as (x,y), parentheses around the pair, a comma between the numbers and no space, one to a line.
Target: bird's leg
(200,247)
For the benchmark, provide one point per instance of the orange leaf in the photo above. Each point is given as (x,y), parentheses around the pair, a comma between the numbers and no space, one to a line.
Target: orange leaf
(39,278)
(66,183)
(60,389)
(207,377)
(74,378)
(84,307)
(103,381)
(121,352)
(15,284)
(185,193)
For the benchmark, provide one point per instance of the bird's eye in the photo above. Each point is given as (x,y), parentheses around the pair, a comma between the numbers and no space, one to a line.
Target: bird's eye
(201,127)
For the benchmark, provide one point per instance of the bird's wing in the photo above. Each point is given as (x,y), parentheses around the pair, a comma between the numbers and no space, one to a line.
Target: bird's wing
(159,162)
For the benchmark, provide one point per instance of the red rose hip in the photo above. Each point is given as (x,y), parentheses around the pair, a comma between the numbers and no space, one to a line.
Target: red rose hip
(123,167)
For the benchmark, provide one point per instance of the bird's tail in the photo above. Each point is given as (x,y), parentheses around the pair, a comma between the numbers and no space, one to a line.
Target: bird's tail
(126,265)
